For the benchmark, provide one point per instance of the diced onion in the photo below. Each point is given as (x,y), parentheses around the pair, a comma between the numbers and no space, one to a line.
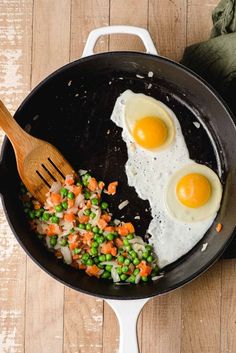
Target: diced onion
(66,254)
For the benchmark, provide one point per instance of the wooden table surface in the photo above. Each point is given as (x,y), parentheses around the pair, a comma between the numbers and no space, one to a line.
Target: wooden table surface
(38,314)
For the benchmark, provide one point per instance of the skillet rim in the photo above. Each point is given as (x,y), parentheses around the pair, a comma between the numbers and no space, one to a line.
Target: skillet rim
(192,75)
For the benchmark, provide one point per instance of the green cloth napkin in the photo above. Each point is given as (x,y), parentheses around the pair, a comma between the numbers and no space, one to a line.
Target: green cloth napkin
(215,59)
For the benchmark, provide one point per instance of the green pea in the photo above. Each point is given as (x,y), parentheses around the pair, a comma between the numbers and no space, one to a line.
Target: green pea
(92,215)
(144,278)
(100,231)
(131,279)
(101,266)
(105,274)
(85,256)
(123,277)
(32,214)
(104,205)
(81,226)
(63,192)
(100,239)
(93,251)
(71,195)
(87,195)
(150,258)
(78,183)
(133,254)
(110,236)
(102,258)
(96,260)
(87,212)
(126,242)
(46,216)
(108,257)
(136,261)
(108,268)
(145,255)
(95,229)
(95,201)
(89,262)
(63,242)
(85,178)
(77,251)
(95,244)
(128,247)
(72,230)
(136,271)
(37,213)
(125,269)
(53,240)
(130,236)
(119,270)
(64,205)
(59,208)
(127,262)
(54,219)
(88,226)
(120,259)
(148,248)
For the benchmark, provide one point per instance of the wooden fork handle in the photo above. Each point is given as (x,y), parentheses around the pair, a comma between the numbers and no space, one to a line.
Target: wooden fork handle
(14,132)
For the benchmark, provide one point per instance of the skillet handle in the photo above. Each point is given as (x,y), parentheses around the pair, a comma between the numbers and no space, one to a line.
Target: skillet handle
(142,33)
(127,312)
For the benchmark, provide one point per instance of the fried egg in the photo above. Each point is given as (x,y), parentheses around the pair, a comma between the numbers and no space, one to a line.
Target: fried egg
(193,193)
(150,169)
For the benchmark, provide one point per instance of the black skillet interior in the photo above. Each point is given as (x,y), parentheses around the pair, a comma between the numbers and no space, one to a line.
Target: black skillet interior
(72,108)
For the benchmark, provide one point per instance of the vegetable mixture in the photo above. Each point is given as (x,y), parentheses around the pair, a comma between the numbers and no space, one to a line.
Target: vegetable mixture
(76,224)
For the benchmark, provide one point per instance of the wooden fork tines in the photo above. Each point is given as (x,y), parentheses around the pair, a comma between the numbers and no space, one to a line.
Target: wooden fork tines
(38,162)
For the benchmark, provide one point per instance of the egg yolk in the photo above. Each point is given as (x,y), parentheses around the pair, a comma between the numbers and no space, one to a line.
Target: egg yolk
(150,132)
(193,190)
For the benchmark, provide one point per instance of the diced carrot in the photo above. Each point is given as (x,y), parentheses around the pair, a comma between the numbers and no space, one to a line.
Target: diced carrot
(122,230)
(74,245)
(37,206)
(73,238)
(76,257)
(102,223)
(219,227)
(106,217)
(145,270)
(69,181)
(88,204)
(114,251)
(69,217)
(55,198)
(101,185)
(83,219)
(70,203)
(111,190)
(119,243)
(88,236)
(77,190)
(53,229)
(93,271)
(58,254)
(110,229)
(125,229)
(107,247)
(92,185)
(82,267)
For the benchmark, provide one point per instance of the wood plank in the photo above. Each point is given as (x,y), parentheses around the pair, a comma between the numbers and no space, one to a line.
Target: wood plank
(201,301)
(83,323)
(228,307)
(15,58)
(86,16)
(199,21)
(132,12)
(84,335)
(45,296)
(162,324)
(167,24)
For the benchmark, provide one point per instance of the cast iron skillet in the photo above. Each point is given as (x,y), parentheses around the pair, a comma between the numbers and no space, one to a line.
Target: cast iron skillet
(71,109)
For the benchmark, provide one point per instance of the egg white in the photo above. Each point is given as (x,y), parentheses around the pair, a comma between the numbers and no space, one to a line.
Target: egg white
(148,172)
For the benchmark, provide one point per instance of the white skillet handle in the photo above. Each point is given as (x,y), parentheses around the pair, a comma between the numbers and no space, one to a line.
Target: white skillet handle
(127,312)
(142,33)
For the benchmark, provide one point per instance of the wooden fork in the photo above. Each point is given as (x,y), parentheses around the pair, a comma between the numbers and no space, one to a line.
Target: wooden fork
(38,162)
